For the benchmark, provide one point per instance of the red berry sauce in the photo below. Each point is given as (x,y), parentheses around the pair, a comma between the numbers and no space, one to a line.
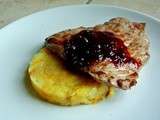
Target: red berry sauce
(90,46)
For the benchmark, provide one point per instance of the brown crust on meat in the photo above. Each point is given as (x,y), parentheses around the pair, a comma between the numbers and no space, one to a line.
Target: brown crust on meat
(135,39)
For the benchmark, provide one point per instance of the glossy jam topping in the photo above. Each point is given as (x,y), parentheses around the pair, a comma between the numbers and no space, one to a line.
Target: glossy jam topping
(89,46)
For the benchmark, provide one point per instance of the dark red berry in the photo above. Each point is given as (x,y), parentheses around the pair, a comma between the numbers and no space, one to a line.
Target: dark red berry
(89,46)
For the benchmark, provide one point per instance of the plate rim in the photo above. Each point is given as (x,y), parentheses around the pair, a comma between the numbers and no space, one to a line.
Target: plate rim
(82,5)
(7,27)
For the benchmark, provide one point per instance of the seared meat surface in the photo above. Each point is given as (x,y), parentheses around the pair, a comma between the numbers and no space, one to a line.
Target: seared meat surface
(112,52)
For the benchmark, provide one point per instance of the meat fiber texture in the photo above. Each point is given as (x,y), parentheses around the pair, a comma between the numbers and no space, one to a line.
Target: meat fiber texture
(134,38)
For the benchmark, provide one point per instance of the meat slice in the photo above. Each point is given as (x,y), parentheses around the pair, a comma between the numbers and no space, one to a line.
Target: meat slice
(112,52)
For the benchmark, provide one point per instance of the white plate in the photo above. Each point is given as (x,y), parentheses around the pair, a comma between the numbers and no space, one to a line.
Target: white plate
(20,40)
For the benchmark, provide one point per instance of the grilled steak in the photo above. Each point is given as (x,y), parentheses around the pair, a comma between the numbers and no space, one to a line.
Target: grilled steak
(112,52)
